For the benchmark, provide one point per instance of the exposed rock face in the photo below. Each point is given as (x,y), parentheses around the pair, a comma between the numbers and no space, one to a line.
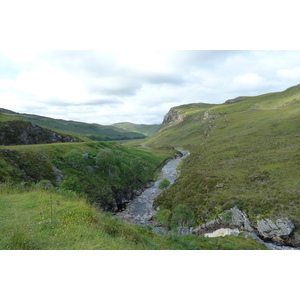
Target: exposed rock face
(278,231)
(240,220)
(172,117)
(233,218)
(208,117)
(24,133)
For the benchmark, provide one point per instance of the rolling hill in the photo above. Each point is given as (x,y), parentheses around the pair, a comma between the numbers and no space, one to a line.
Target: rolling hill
(93,131)
(244,153)
(139,128)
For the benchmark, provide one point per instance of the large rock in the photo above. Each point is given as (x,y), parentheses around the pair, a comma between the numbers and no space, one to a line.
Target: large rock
(239,219)
(233,218)
(278,231)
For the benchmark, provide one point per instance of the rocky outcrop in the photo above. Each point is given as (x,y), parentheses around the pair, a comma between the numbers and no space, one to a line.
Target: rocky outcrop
(233,219)
(173,117)
(121,197)
(20,132)
(279,231)
(208,117)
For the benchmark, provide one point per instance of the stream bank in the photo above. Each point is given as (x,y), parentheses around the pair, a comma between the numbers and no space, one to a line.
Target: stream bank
(140,209)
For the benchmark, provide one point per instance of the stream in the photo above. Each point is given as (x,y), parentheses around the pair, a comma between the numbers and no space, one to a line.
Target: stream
(139,210)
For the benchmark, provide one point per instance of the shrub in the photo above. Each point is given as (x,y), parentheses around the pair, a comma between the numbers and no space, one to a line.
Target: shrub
(164,184)
(163,217)
(183,217)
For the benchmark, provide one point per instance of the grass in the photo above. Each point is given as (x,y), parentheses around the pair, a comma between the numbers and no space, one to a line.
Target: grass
(104,171)
(26,225)
(244,154)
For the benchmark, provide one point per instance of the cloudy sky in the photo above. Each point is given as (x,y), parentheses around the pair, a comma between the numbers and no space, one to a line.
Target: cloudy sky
(137,86)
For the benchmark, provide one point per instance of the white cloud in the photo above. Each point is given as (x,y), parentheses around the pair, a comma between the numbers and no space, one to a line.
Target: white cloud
(49,82)
(136,86)
(248,80)
(293,73)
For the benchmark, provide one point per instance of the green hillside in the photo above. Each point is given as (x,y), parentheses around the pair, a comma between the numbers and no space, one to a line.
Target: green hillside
(146,130)
(93,131)
(105,172)
(50,197)
(39,218)
(244,153)
(17,131)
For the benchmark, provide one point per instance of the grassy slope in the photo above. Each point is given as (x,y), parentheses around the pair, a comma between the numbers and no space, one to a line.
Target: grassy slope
(17,126)
(78,128)
(139,128)
(109,170)
(245,154)
(26,223)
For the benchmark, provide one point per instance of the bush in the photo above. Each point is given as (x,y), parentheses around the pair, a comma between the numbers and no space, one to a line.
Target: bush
(163,217)
(164,184)
(183,217)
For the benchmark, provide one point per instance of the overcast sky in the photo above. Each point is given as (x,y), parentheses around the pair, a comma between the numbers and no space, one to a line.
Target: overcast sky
(136,86)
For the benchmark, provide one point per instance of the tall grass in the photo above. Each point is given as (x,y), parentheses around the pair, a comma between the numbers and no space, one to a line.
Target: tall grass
(26,224)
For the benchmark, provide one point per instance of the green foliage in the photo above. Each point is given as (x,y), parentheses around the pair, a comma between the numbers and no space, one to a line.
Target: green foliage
(163,217)
(182,217)
(226,216)
(104,171)
(164,184)
(26,224)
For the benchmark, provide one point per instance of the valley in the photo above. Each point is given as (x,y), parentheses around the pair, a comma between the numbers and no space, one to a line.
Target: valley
(244,155)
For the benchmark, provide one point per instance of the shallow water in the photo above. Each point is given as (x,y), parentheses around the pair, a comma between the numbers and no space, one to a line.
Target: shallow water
(140,209)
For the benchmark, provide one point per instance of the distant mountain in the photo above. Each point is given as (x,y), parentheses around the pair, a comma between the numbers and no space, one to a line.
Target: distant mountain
(93,131)
(139,128)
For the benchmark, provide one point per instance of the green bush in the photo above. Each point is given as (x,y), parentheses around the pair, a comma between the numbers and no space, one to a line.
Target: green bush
(164,184)
(182,217)
(163,217)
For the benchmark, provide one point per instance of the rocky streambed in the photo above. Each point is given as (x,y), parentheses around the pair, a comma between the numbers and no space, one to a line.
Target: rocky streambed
(140,209)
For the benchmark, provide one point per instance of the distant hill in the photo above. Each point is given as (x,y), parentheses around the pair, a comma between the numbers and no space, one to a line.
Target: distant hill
(139,128)
(16,131)
(93,131)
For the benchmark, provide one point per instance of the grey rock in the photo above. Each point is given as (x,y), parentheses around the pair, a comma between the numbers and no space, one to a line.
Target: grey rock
(85,155)
(294,239)
(59,175)
(278,231)
(240,220)
(233,218)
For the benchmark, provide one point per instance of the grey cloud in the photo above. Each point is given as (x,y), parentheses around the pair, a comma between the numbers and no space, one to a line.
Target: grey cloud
(191,59)
(162,78)
(101,102)
(91,62)
(118,87)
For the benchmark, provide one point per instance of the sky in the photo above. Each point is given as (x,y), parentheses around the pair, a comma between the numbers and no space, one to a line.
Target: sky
(136,85)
